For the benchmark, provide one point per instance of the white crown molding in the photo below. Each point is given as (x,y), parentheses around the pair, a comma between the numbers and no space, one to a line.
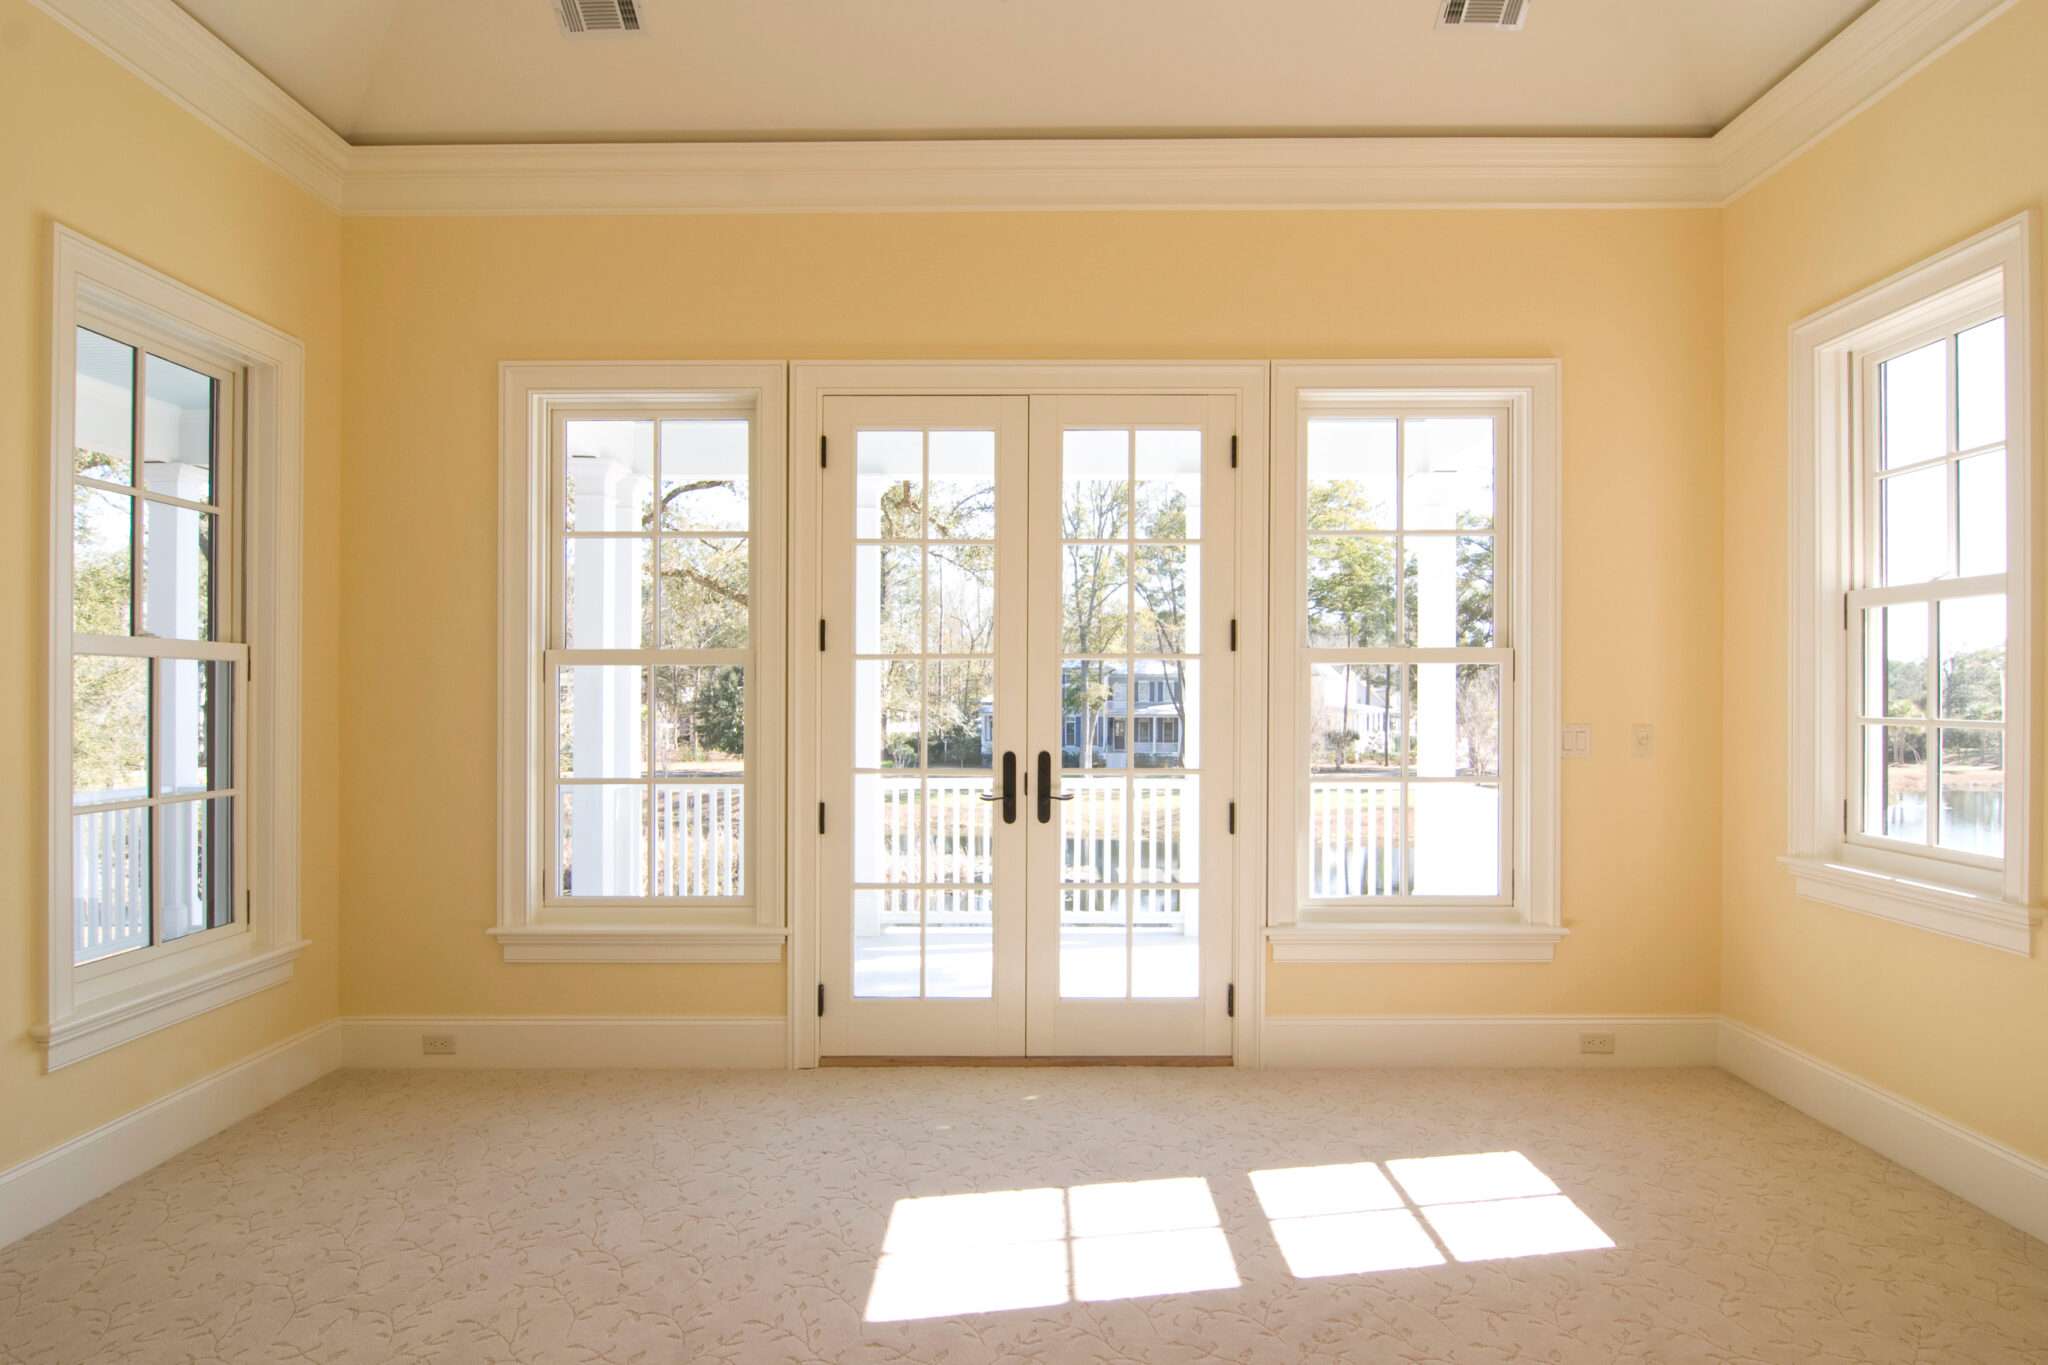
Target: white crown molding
(176,54)
(1886,44)
(167,48)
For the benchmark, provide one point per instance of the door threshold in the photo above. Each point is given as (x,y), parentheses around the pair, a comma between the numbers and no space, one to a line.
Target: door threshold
(1023,1061)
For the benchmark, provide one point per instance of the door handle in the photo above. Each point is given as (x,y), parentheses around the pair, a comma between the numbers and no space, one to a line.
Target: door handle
(1045,796)
(1008,795)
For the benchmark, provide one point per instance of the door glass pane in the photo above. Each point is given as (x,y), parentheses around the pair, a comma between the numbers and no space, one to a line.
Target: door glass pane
(1915,397)
(959,945)
(1973,658)
(607,593)
(1355,718)
(1447,473)
(1165,843)
(109,728)
(194,729)
(700,721)
(888,826)
(1167,599)
(1095,598)
(1166,945)
(103,435)
(177,572)
(704,592)
(1980,513)
(603,721)
(109,882)
(1454,838)
(1457,720)
(700,833)
(1094,944)
(888,485)
(963,485)
(959,832)
(1895,774)
(960,713)
(1980,385)
(102,528)
(1166,713)
(1351,484)
(888,598)
(1973,790)
(1355,843)
(1095,485)
(604,840)
(177,430)
(885,713)
(1094,705)
(888,943)
(1169,493)
(609,476)
(198,866)
(1915,529)
(960,599)
(704,475)
(1351,592)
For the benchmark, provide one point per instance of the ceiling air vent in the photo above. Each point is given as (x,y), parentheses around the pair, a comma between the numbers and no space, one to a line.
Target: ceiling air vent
(600,16)
(1482,14)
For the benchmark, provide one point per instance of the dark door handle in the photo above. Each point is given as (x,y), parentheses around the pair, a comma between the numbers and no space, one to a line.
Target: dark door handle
(1045,796)
(1008,795)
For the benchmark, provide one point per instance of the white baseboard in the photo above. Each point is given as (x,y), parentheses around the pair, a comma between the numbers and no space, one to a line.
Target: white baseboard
(44,1188)
(2004,1183)
(568,1041)
(1508,1040)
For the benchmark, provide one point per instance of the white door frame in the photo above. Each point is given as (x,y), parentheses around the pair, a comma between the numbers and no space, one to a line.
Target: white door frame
(811,382)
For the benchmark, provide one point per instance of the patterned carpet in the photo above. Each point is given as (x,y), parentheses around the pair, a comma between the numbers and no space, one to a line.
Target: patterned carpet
(1010,1215)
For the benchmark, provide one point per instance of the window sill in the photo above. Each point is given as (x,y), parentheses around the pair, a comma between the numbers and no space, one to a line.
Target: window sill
(127,1015)
(1967,915)
(1415,942)
(639,943)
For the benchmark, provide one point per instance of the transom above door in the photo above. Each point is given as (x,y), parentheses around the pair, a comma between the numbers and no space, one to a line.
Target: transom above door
(1025,725)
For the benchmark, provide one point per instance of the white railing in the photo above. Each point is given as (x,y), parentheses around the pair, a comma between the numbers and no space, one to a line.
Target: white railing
(109,880)
(1354,846)
(700,839)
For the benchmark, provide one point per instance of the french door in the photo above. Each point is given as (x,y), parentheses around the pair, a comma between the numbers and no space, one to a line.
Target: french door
(1025,731)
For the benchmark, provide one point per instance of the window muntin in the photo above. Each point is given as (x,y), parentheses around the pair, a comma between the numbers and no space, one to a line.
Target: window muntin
(1927,606)
(1404,677)
(651,631)
(158,661)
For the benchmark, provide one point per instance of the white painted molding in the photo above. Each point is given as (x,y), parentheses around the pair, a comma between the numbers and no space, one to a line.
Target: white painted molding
(639,943)
(175,54)
(179,997)
(45,1188)
(2004,1183)
(180,58)
(533,1041)
(1501,1040)
(1885,45)
(1958,913)
(1415,942)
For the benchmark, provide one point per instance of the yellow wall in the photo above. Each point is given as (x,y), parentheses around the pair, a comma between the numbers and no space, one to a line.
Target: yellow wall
(1630,300)
(1958,1028)
(90,146)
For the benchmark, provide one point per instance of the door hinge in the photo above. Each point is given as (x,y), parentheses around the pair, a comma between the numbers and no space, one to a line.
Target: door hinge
(1845,816)
(821,817)
(821,1000)
(1233,635)
(822,462)
(1230,1001)
(1233,450)
(1845,611)
(821,635)
(1231,819)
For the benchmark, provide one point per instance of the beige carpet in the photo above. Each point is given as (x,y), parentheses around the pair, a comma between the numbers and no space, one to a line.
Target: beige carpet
(957,1216)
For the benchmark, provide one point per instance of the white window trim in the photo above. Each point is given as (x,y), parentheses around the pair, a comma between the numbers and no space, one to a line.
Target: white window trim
(116,1001)
(1988,907)
(527,930)
(1528,927)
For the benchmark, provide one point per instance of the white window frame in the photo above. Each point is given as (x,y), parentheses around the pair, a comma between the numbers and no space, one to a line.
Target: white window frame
(1525,923)
(99,1005)
(532,926)
(1833,352)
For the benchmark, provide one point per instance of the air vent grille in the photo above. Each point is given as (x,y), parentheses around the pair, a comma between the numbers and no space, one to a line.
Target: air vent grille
(600,16)
(1483,13)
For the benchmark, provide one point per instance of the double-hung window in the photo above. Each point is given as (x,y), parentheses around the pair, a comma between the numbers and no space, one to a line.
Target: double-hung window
(1414,582)
(173,775)
(1910,547)
(646,679)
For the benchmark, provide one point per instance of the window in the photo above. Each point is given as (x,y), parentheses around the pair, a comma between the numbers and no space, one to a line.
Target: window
(173,779)
(1910,548)
(646,675)
(1415,578)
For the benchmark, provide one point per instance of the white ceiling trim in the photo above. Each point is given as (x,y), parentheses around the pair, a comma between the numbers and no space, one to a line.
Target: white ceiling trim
(173,52)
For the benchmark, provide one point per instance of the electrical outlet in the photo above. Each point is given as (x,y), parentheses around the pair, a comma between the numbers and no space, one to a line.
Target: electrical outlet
(1578,741)
(1597,1044)
(437,1044)
(1643,741)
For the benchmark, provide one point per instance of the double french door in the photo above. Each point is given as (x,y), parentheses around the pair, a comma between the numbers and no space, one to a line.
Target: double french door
(1026,725)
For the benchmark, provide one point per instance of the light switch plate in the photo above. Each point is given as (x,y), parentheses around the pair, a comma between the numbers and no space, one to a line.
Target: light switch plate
(1578,741)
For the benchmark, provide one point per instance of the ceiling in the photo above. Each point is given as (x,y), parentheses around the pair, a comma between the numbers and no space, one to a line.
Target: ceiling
(503,71)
